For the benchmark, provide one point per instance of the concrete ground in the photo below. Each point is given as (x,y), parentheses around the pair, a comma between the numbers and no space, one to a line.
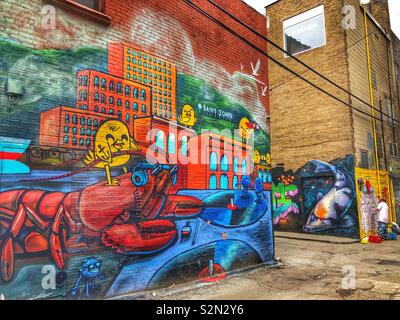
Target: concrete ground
(311,270)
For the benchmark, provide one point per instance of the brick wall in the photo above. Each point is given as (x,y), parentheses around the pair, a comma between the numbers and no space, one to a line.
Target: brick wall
(128,223)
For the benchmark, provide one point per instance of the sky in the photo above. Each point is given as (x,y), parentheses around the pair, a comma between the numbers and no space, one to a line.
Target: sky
(394,7)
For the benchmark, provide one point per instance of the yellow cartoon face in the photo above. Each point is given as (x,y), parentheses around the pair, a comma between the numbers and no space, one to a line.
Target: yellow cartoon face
(257,157)
(113,137)
(244,130)
(188,117)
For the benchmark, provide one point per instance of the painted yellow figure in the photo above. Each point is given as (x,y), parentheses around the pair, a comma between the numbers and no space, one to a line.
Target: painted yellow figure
(188,116)
(111,138)
(268,159)
(244,130)
(257,157)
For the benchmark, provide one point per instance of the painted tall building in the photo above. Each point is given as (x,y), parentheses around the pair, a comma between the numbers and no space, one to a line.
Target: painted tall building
(132,63)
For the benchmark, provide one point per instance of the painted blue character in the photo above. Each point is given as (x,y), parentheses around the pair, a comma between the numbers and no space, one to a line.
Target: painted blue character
(242,198)
(89,273)
(258,187)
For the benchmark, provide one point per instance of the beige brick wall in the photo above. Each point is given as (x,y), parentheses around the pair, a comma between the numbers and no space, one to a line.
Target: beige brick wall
(307,124)
(383,68)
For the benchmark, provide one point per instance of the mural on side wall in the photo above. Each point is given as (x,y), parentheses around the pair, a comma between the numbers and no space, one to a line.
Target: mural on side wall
(318,198)
(94,202)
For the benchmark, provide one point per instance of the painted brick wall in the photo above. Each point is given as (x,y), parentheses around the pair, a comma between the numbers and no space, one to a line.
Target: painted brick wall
(78,117)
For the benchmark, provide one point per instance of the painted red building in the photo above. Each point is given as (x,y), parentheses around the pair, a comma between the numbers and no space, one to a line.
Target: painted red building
(132,63)
(217,162)
(105,94)
(66,127)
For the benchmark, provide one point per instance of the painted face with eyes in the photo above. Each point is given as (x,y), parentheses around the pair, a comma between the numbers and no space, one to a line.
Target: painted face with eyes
(113,137)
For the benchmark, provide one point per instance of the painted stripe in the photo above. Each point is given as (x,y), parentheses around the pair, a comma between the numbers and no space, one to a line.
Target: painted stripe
(10,155)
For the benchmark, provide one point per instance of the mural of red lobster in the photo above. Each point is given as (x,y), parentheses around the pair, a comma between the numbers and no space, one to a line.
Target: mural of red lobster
(135,217)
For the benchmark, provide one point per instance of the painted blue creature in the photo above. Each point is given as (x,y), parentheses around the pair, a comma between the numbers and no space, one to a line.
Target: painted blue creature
(332,209)
(258,187)
(88,273)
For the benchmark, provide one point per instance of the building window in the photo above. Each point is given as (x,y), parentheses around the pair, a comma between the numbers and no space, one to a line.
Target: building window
(224,163)
(235,164)
(135,107)
(224,182)
(89,121)
(74,119)
(184,148)
(112,86)
(127,91)
(136,93)
(96,96)
(119,103)
(97,5)
(143,108)
(305,31)
(119,114)
(244,166)
(96,81)
(103,98)
(86,81)
(67,118)
(119,88)
(364,159)
(127,105)
(111,101)
(66,139)
(213,161)
(235,182)
(160,140)
(127,118)
(171,143)
(143,95)
(104,84)
(213,182)
(266,176)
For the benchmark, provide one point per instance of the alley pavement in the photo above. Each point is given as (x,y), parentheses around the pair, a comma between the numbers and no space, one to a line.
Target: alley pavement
(310,270)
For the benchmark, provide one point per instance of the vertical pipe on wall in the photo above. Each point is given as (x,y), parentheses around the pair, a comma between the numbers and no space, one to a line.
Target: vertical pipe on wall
(371,98)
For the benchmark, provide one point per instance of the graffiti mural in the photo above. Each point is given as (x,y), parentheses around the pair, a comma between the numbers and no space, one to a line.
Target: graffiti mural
(130,172)
(318,198)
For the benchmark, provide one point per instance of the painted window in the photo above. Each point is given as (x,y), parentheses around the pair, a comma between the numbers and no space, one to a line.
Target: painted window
(103,98)
(235,164)
(104,83)
(136,93)
(88,142)
(111,111)
(96,81)
(184,148)
(235,182)
(213,161)
(224,182)
(160,140)
(86,81)
(66,129)
(74,119)
(97,5)
(143,95)
(103,110)
(265,176)
(111,100)
(119,103)
(119,114)
(96,96)
(74,130)
(83,120)
(81,141)
(225,163)
(143,108)
(80,95)
(127,91)
(171,143)
(96,123)
(213,182)
(82,131)
(89,132)
(74,141)
(305,31)
(244,166)
(112,85)
(119,88)
(127,105)
(127,118)
(66,139)
(135,107)
(67,118)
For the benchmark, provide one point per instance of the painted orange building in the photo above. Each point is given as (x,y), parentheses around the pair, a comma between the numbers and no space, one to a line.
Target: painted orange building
(110,95)
(221,162)
(132,63)
(66,127)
